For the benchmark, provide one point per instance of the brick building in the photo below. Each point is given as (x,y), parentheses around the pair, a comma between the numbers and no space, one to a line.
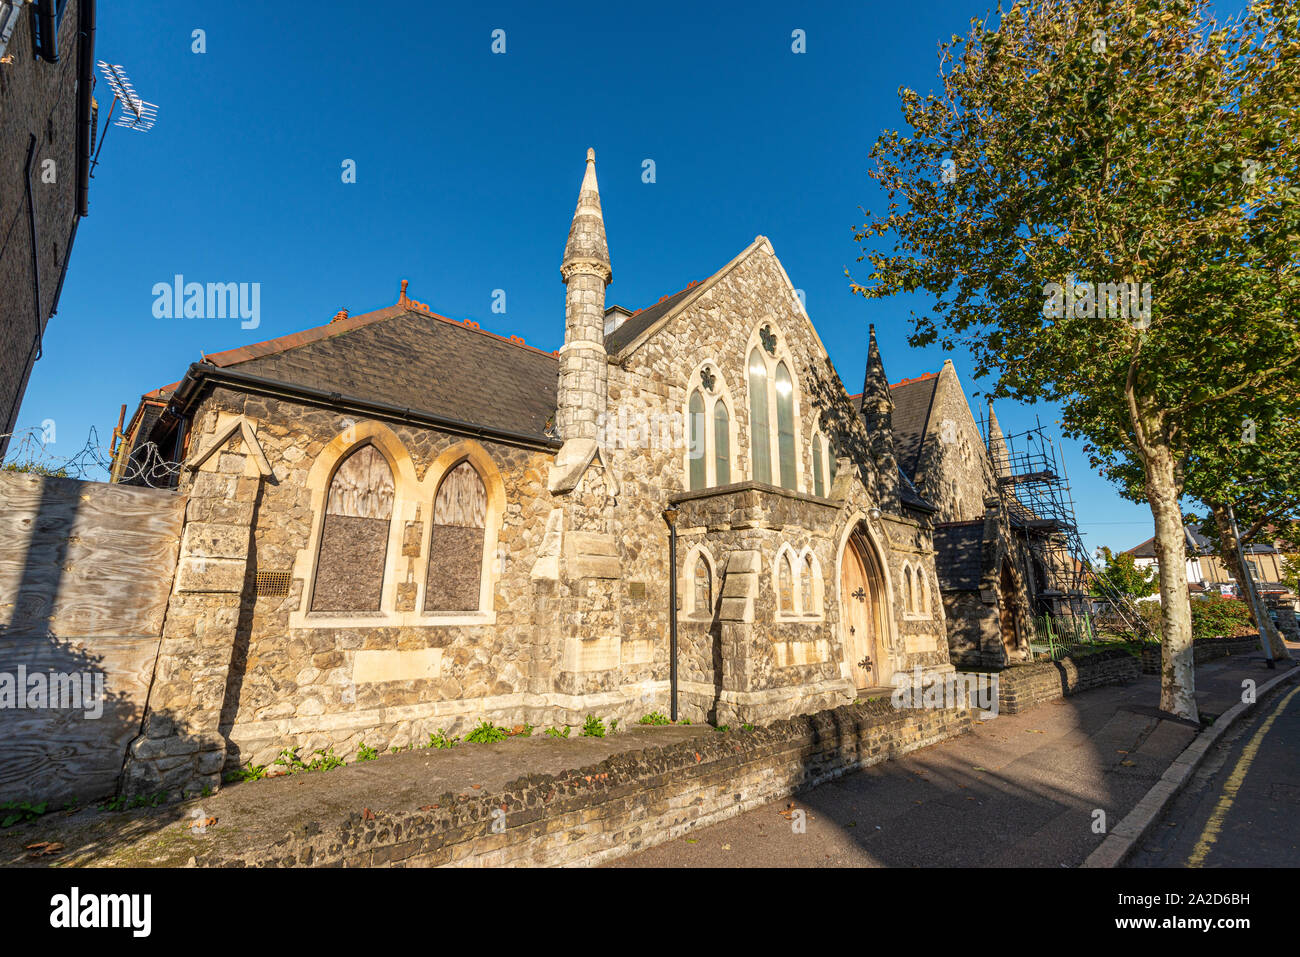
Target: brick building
(46,128)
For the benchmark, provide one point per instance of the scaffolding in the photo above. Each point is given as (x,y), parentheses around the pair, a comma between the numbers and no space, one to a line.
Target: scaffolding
(1034,490)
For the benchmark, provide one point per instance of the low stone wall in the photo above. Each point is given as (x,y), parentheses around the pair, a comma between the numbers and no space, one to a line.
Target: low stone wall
(1020,687)
(1203,649)
(626,803)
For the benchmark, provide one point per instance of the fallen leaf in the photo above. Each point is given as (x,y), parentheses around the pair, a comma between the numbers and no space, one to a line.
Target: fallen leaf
(1034,731)
(1128,764)
(726,847)
(978,768)
(367,814)
(476,786)
(45,849)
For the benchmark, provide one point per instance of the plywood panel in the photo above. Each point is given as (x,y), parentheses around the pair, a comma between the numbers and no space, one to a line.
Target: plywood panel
(462,499)
(363,486)
(85,558)
(56,755)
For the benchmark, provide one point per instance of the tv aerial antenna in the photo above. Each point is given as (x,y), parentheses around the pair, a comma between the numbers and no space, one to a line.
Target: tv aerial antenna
(137,114)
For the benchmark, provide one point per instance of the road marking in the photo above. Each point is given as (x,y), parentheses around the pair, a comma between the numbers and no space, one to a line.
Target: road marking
(1215,824)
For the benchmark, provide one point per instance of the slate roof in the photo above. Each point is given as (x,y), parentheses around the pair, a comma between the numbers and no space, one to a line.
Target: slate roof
(412,358)
(912,401)
(959,554)
(641,320)
(1197,544)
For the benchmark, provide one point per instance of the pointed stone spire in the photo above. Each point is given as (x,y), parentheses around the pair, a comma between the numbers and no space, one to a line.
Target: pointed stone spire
(587,245)
(586,271)
(998,454)
(877,412)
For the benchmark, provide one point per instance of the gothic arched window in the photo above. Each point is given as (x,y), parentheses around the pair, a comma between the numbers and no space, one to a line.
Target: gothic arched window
(785,425)
(819,487)
(697,451)
(807,592)
(760,433)
(909,600)
(703,599)
(354,537)
(456,542)
(721,444)
(785,585)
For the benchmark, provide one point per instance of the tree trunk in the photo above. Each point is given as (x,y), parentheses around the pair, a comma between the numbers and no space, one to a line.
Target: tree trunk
(1267,630)
(1177,671)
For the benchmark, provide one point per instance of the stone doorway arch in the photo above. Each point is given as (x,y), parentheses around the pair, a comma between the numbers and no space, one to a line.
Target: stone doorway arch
(863,617)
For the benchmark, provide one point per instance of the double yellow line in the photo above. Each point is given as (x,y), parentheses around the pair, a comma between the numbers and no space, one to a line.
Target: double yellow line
(1215,824)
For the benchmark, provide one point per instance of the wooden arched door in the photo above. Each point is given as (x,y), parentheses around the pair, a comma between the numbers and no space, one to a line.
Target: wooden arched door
(862,615)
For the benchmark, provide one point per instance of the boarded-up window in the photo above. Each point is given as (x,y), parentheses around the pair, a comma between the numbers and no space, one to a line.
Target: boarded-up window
(354,539)
(456,543)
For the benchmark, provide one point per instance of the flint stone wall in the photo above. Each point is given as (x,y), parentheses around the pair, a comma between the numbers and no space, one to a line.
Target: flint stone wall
(1020,687)
(626,803)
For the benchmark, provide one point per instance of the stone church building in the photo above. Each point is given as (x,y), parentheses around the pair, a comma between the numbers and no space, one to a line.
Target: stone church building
(398,523)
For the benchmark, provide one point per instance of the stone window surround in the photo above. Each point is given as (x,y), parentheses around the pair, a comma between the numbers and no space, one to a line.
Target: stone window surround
(783,354)
(826,458)
(686,587)
(919,609)
(409,496)
(720,394)
(797,563)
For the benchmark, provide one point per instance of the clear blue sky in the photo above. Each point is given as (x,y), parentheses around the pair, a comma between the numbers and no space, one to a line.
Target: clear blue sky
(468,165)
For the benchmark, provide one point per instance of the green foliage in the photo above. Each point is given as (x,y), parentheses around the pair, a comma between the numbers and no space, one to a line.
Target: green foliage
(1075,145)
(724,728)
(1215,615)
(654,717)
(15,812)
(441,741)
(322,760)
(123,803)
(593,727)
(487,732)
(248,772)
(613,725)
(34,468)
(1121,574)
(325,760)
(557,732)
(1291,573)
(366,754)
(290,761)
(746,727)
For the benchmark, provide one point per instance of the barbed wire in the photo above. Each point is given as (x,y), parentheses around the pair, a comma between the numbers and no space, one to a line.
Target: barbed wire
(30,450)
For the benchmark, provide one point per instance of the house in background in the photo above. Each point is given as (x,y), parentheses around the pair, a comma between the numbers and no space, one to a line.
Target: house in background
(46,130)
(1207,572)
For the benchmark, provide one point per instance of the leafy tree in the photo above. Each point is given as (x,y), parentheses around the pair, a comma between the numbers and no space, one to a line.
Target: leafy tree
(1078,146)
(1122,575)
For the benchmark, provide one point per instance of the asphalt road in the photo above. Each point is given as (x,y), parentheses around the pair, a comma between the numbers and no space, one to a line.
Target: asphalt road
(1242,809)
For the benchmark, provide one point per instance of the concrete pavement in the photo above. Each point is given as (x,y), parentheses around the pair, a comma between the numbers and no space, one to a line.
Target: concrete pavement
(1021,790)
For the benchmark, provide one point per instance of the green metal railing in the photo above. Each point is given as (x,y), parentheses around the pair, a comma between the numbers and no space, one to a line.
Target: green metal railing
(1058,635)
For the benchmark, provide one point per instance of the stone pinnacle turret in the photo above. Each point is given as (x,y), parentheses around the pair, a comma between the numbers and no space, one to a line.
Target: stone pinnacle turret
(998,454)
(586,272)
(877,412)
